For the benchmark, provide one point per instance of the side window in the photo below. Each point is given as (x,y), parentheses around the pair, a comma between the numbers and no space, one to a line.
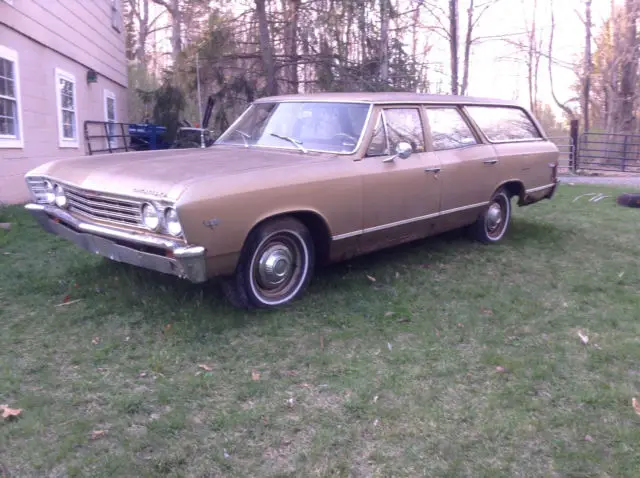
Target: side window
(405,125)
(448,129)
(379,145)
(502,124)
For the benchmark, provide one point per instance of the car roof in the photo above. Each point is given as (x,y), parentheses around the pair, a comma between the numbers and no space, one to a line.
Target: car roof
(388,97)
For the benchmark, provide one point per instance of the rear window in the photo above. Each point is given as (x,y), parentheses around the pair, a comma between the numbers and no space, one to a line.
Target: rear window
(503,124)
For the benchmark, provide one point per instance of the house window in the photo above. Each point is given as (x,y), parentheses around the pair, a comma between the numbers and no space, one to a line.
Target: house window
(67,109)
(110,118)
(115,15)
(10,111)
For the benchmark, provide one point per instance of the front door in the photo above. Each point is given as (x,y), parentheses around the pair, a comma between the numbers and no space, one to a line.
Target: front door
(400,196)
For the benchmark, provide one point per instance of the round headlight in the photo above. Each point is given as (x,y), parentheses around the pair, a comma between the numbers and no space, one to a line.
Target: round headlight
(60,197)
(49,192)
(172,222)
(150,216)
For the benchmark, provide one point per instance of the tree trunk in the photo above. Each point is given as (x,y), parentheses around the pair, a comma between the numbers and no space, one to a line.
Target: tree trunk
(586,95)
(384,41)
(266,48)
(453,44)
(467,50)
(291,44)
(629,68)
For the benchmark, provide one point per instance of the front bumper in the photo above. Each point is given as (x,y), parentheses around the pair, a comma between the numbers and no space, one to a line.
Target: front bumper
(149,252)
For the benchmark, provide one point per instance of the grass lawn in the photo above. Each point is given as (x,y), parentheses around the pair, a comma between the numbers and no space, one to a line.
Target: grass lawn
(459,360)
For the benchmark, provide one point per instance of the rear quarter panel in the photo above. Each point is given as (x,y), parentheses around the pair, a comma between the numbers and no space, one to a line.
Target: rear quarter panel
(528,162)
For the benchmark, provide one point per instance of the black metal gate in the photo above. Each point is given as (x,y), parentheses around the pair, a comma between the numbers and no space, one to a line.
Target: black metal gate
(609,152)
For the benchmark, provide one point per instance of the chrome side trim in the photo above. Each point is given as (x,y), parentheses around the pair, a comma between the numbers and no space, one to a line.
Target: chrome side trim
(539,188)
(407,221)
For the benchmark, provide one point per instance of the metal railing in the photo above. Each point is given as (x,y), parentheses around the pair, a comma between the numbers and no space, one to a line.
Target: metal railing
(567,151)
(609,152)
(114,137)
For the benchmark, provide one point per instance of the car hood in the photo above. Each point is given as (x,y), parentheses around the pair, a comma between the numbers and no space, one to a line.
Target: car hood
(166,173)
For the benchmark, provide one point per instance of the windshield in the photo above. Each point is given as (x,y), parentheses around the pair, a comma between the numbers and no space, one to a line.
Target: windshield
(304,126)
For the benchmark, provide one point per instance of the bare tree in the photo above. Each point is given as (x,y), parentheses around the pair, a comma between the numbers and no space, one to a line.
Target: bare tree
(588,67)
(561,105)
(174,9)
(453,44)
(266,48)
(629,67)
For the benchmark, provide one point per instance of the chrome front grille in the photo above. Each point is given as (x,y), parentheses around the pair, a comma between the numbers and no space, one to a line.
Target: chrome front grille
(94,205)
(104,207)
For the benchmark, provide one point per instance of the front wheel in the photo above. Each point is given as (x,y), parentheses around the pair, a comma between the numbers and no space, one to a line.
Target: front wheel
(492,224)
(275,267)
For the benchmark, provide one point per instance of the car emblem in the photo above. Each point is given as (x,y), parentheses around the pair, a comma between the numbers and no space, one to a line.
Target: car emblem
(211,223)
(150,192)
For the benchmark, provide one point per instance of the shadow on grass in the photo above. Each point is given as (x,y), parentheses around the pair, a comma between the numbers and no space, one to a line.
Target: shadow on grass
(158,292)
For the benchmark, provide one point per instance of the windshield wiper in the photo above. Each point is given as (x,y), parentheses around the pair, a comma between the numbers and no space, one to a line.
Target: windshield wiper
(294,141)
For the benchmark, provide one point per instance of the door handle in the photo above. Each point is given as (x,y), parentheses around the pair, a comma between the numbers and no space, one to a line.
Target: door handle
(432,170)
(490,161)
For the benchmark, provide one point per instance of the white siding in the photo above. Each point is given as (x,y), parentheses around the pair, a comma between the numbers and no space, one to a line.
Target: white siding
(73,36)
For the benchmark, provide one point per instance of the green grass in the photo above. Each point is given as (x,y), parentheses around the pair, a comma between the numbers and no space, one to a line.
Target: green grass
(396,377)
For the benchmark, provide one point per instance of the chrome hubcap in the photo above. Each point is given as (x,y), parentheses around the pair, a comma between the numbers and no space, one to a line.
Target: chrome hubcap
(275,266)
(494,217)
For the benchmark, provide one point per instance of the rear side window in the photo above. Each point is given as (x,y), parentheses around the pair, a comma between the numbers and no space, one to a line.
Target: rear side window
(504,124)
(448,129)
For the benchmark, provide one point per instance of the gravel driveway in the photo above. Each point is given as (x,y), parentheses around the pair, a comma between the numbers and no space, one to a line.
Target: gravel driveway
(602,180)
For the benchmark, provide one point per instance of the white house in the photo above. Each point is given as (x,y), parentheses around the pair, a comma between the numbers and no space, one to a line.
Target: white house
(61,63)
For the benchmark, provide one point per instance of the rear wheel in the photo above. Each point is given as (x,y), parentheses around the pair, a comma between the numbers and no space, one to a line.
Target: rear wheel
(493,223)
(275,266)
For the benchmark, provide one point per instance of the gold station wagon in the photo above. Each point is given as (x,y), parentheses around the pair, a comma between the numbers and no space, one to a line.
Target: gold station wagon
(302,180)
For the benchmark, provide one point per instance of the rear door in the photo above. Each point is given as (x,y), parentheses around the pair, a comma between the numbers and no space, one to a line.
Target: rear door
(470,170)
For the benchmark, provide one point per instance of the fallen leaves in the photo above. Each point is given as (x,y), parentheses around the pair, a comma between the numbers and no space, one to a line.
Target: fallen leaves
(10,413)
(205,367)
(636,405)
(96,434)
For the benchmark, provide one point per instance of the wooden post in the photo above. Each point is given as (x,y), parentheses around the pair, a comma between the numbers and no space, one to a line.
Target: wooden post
(574,137)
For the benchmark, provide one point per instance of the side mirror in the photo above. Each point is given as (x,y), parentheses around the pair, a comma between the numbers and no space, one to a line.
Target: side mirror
(403,151)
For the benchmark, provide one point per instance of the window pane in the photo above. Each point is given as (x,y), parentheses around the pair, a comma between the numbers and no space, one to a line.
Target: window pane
(66,93)
(111,109)
(378,145)
(448,129)
(2,67)
(503,123)
(404,125)
(68,125)
(4,88)
(8,118)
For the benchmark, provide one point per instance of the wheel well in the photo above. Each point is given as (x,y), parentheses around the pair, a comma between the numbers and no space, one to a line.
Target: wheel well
(515,188)
(317,227)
